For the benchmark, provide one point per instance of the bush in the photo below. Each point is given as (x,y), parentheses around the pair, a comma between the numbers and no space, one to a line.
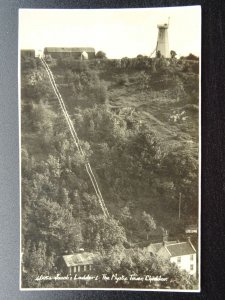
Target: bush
(192,57)
(72,64)
(99,93)
(195,68)
(28,63)
(41,89)
(100,55)
(123,80)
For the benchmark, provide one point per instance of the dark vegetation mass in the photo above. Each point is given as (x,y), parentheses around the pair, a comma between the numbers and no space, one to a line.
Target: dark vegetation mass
(137,120)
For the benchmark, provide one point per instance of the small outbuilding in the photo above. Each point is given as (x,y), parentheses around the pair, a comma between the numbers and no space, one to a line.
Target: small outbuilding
(78,262)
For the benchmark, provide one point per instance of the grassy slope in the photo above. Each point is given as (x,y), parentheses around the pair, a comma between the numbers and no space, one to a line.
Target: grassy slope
(154,107)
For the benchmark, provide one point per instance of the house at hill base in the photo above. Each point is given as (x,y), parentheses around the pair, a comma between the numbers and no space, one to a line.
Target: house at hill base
(78,262)
(81,53)
(183,254)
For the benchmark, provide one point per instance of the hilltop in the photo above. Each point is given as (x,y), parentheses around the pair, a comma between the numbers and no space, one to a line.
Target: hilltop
(138,124)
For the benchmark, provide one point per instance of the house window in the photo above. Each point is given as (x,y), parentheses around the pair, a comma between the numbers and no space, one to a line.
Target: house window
(192,257)
(179,259)
(191,267)
(74,269)
(82,268)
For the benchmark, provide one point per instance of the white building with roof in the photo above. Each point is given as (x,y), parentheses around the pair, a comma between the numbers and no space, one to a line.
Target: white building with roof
(183,254)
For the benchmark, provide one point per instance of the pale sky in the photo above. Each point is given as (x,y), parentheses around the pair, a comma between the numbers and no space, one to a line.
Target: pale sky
(117,32)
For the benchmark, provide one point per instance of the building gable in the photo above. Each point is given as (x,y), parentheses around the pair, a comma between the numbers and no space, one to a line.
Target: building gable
(163,253)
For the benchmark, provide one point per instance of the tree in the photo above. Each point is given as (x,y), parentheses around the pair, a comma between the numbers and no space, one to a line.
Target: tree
(125,215)
(103,232)
(192,57)
(100,55)
(36,262)
(98,93)
(148,223)
(131,262)
(158,54)
(56,226)
(181,168)
(42,119)
(69,76)
(173,54)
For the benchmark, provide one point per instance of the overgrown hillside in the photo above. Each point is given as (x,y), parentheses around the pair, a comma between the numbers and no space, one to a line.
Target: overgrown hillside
(137,120)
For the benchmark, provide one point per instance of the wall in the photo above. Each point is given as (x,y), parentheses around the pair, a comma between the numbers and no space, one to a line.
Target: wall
(163,42)
(185,263)
(76,55)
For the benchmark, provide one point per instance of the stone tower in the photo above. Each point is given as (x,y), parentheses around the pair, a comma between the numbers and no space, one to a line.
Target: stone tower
(162,41)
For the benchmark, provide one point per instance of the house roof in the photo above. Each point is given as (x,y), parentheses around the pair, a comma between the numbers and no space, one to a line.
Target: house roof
(156,246)
(69,49)
(179,249)
(83,258)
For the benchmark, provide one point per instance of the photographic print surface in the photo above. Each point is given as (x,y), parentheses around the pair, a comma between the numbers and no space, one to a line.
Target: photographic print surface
(110,148)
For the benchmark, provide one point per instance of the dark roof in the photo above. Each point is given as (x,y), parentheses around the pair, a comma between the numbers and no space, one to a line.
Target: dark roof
(179,249)
(83,258)
(68,49)
(156,246)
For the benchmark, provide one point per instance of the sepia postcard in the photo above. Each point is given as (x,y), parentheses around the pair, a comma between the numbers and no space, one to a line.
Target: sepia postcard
(110,144)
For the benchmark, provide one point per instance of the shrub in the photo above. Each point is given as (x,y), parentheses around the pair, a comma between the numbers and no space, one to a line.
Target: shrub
(195,68)
(191,107)
(99,93)
(28,63)
(123,80)
(72,64)
(100,55)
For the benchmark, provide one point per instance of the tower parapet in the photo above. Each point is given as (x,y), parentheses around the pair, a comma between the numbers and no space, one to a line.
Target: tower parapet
(163,26)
